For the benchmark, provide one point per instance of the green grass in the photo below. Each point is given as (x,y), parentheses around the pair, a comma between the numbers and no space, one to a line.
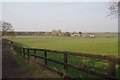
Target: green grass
(102,46)
(33,70)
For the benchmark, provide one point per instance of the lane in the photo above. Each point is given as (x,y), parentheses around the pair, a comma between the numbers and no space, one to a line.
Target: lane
(10,68)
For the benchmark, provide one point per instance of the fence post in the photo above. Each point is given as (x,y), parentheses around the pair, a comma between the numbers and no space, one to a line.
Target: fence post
(23,52)
(35,54)
(28,54)
(112,68)
(65,66)
(20,51)
(45,56)
(65,61)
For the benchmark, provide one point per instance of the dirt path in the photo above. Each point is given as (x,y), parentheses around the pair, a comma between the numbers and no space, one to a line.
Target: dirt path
(10,68)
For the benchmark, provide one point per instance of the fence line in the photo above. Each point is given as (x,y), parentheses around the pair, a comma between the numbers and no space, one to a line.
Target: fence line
(112,61)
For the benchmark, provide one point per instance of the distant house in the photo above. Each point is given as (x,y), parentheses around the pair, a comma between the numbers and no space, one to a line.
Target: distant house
(76,34)
(88,35)
(92,36)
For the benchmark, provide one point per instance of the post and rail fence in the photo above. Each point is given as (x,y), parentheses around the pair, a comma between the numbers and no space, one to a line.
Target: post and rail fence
(112,61)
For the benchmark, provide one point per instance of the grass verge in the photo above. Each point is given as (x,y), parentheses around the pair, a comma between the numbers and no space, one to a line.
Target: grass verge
(35,70)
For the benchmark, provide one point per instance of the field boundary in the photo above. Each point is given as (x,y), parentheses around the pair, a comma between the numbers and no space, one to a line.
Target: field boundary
(111,60)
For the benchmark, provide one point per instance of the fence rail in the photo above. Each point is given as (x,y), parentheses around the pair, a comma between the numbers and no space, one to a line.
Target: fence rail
(112,61)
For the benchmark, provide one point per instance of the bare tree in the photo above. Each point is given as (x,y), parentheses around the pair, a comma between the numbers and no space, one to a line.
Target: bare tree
(113,8)
(67,34)
(80,33)
(6,27)
(56,32)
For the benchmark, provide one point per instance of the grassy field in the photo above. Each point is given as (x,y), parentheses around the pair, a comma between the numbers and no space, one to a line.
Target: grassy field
(102,46)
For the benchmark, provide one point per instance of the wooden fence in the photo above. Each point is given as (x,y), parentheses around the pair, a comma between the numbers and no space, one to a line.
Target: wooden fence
(112,61)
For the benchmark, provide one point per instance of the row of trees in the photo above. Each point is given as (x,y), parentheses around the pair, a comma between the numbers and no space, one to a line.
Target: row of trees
(57,33)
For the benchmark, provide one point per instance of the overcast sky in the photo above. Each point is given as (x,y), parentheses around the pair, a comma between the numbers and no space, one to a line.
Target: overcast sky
(67,16)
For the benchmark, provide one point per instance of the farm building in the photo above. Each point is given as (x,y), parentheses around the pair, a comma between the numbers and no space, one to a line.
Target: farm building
(76,34)
(88,35)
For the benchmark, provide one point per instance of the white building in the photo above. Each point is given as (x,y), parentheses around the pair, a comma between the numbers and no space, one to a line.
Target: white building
(92,36)
(75,34)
